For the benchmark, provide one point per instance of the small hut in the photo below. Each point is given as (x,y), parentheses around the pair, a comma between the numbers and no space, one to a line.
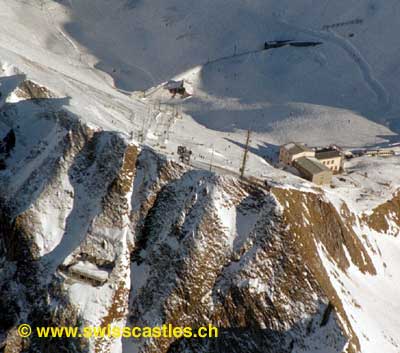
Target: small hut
(176,87)
(88,272)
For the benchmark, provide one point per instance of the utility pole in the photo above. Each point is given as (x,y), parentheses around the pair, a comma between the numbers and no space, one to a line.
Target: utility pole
(246,151)
(212,159)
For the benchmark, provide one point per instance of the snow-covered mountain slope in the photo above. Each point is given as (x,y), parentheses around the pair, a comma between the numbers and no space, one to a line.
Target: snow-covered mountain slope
(279,91)
(93,185)
(277,269)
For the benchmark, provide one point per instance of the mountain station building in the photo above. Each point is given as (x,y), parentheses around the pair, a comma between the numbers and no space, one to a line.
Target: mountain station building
(316,165)
(311,169)
(291,151)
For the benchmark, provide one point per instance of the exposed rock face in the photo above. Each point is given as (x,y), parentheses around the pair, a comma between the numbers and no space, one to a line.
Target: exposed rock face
(315,223)
(31,90)
(218,251)
(386,217)
(179,246)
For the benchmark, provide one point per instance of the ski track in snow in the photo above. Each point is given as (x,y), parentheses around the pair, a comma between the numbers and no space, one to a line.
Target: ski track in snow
(142,69)
(365,68)
(372,82)
(71,43)
(97,95)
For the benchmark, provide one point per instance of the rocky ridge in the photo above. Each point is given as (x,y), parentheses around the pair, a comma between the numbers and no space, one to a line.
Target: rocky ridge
(180,246)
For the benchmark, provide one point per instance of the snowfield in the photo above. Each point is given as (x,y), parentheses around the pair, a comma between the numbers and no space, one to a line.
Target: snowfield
(105,64)
(270,88)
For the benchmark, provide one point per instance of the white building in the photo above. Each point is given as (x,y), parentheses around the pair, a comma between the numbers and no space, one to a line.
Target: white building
(314,165)
(291,151)
(330,158)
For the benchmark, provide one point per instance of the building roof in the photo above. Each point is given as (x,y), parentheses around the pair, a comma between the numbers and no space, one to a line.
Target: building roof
(295,148)
(312,165)
(327,154)
(90,270)
(173,84)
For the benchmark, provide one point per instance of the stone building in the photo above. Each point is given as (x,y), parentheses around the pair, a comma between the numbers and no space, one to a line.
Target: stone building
(316,165)
(311,169)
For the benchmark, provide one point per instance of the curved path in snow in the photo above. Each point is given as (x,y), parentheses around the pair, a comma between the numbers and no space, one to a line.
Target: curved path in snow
(384,99)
